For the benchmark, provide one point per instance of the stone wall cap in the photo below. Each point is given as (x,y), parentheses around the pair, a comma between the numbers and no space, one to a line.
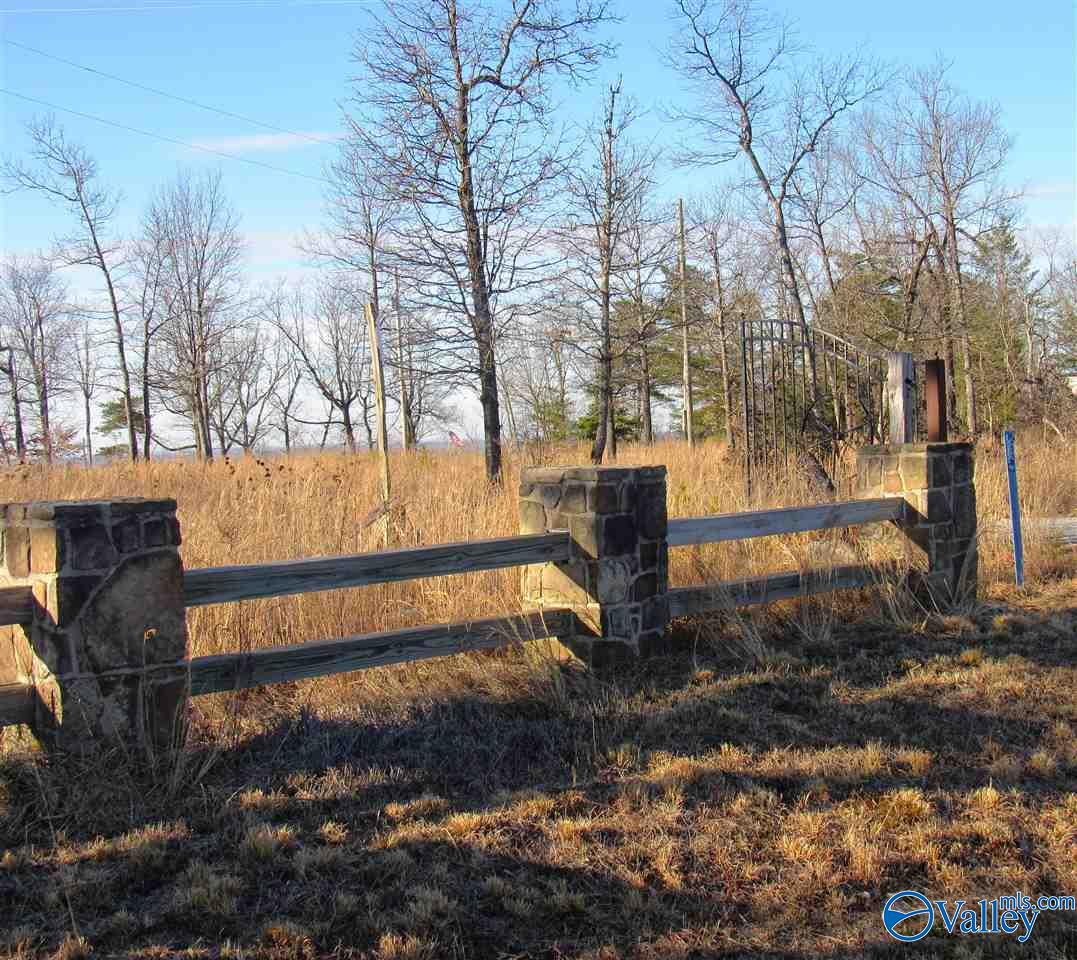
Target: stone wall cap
(542,474)
(590,474)
(83,509)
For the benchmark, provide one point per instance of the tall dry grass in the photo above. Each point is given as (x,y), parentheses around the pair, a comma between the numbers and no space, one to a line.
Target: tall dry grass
(249,510)
(482,806)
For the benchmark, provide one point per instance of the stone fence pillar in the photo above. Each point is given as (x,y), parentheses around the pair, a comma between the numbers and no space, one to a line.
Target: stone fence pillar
(106,647)
(938,484)
(618,576)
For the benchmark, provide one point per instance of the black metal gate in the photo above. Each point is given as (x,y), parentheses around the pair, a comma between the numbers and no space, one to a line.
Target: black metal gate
(807,392)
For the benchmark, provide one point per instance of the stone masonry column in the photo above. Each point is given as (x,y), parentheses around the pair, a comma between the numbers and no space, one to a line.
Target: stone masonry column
(106,649)
(938,484)
(618,576)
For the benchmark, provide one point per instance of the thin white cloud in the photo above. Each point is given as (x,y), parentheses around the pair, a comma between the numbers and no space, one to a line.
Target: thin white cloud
(1056,188)
(273,245)
(266,142)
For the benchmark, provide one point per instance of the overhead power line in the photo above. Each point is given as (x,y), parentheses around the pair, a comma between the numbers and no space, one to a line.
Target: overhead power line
(163,139)
(170,96)
(158,7)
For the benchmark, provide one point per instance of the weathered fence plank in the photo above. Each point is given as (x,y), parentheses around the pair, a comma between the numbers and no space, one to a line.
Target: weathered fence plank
(687,601)
(252,581)
(235,671)
(16,605)
(768,523)
(16,703)
(901,389)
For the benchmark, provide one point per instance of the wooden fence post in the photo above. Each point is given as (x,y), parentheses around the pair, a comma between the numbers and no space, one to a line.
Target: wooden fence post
(935,390)
(106,647)
(616,581)
(901,389)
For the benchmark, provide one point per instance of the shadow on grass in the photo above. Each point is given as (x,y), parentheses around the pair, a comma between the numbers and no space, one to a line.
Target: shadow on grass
(405,779)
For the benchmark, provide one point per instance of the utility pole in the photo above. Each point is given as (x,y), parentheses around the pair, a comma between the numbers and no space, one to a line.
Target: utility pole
(403,371)
(379,398)
(684,331)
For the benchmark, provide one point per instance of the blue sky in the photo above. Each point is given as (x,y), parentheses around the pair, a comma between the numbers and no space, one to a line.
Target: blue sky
(288,65)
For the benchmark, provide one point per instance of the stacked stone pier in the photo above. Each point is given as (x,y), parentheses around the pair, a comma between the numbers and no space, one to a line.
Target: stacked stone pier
(937,481)
(105,652)
(617,579)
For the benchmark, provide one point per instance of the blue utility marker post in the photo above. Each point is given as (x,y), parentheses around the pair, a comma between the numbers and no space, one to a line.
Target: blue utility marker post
(1015,510)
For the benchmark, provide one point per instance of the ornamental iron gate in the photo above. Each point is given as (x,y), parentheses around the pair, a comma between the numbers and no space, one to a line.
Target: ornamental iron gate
(783,368)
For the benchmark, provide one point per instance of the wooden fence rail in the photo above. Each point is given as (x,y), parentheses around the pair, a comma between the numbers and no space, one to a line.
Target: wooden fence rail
(769,523)
(691,601)
(254,581)
(235,671)
(16,605)
(119,560)
(16,703)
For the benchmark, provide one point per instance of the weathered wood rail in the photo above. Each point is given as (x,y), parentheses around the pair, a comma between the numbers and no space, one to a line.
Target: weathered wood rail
(236,671)
(260,580)
(785,520)
(16,605)
(601,564)
(692,601)
(16,703)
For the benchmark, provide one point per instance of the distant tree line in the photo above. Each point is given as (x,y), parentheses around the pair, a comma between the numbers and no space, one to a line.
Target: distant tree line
(505,253)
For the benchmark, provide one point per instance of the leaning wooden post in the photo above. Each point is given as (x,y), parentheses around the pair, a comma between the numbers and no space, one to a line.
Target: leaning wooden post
(105,650)
(379,400)
(937,482)
(617,580)
(901,388)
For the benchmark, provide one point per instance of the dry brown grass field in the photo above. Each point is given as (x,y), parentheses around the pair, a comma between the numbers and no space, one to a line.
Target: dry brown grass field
(759,791)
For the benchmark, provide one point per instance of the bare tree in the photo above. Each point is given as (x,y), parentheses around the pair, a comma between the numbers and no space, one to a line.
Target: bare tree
(754,97)
(647,244)
(718,221)
(10,370)
(87,372)
(360,218)
(149,295)
(327,330)
(452,108)
(243,386)
(606,190)
(284,400)
(539,379)
(941,154)
(36,322)
(65,173)
(198,236)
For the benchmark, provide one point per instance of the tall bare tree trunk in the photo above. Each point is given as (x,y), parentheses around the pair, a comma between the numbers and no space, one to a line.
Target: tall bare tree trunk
(686,372)
(117,323)
(403,373)
(16,404)
(482,317)
(611,430)
(147,423)
(727,386)
(647,424)
(605,378)
(957,290)
(88,424)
